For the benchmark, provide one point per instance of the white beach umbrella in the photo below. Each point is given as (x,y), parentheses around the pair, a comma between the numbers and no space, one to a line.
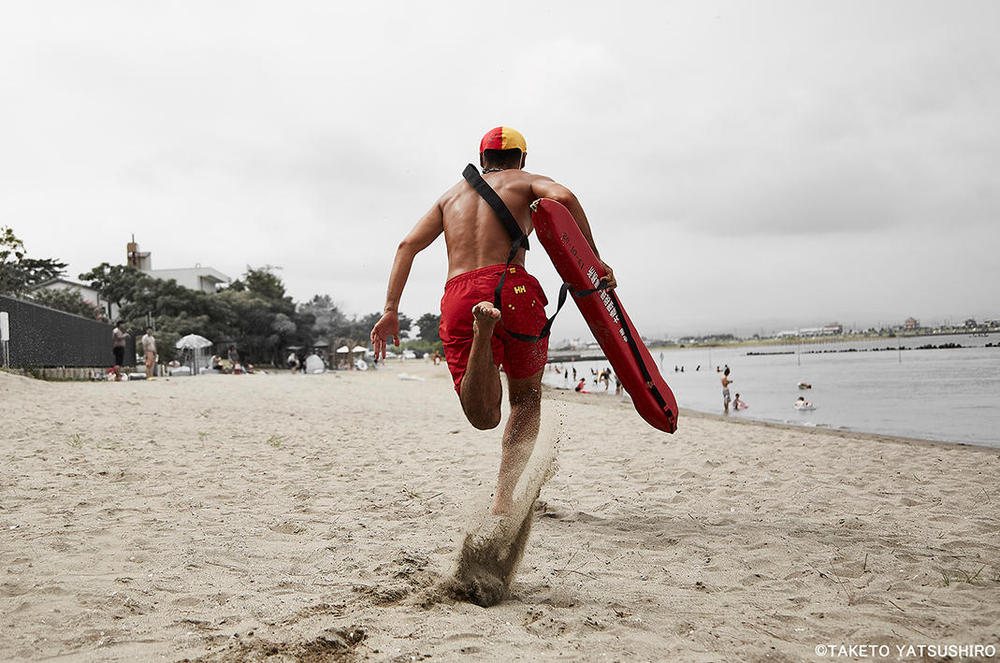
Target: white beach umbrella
(359,348)
(343,350)
(193,342)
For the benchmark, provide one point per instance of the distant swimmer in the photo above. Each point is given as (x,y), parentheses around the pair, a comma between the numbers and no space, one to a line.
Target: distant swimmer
(739,404)
(803,404)
(481,249)
(725,389)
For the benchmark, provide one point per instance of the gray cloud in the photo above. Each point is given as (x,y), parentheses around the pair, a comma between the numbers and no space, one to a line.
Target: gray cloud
(849,148)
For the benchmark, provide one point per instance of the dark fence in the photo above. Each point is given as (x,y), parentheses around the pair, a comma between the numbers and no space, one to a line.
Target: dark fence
(41,336)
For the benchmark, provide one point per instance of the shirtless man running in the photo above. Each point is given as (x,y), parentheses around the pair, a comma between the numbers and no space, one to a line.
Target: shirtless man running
(474,344)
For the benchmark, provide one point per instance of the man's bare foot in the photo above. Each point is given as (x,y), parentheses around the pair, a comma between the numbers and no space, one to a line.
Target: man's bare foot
(501,507)
(484,317)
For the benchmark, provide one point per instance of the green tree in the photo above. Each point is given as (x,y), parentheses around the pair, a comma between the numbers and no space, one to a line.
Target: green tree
(116,283)
(428,324)
(405,322)
(264,282)
(19,272)
(326,316)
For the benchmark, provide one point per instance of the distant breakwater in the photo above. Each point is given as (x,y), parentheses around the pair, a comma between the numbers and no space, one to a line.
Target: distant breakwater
(898,348)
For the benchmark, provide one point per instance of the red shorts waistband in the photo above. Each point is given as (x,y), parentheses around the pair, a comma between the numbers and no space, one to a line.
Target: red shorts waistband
(485,271)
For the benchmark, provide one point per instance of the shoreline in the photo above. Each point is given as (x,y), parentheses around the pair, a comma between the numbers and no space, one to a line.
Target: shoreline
(570,396)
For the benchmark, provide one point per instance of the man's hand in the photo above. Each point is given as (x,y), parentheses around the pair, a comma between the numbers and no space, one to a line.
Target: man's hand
(612,283)
(388,325)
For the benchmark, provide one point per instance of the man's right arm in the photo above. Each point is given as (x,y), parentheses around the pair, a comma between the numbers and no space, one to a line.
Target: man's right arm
(423,234)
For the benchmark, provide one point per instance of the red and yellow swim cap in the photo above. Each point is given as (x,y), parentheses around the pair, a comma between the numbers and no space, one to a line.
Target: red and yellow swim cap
(503,138)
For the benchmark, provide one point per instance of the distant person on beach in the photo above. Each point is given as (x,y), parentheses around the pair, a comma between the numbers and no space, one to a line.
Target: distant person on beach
(118,338)
(478,246)
(149,351)
(234,359)
(725,389)
(579,386)
(292,362)
(738,404)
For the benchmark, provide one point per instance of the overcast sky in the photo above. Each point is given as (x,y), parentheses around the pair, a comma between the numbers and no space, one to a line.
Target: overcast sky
(744,165)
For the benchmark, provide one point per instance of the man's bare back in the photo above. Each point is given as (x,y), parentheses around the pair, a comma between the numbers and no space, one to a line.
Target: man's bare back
(474,236)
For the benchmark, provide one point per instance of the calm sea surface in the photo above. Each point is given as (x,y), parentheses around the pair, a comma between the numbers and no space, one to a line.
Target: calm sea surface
(951,395)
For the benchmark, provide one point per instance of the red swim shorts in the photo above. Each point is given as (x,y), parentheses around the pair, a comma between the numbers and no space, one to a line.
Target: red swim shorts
(522,305)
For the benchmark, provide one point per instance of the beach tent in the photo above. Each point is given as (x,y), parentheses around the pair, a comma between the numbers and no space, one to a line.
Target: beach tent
(359,348)
(343,350)
(314,364)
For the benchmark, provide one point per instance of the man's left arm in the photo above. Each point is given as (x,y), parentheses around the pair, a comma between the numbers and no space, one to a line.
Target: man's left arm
(543,187)
(423,234)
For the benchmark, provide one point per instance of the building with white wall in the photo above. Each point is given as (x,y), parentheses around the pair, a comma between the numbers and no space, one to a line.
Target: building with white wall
(88,293)
(205,279)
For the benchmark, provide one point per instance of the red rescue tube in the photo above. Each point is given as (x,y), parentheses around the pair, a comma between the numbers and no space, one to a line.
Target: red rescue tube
(579,267)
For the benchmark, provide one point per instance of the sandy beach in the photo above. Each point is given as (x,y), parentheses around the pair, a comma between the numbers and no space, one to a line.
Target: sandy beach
(311,518)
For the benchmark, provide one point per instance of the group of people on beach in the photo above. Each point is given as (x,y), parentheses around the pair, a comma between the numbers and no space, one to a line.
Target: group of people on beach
(119,339)
(151,357)
(602,377)
(800,404)
(737,403)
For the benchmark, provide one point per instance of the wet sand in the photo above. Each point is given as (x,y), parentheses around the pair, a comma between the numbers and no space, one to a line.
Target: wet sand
(312,518)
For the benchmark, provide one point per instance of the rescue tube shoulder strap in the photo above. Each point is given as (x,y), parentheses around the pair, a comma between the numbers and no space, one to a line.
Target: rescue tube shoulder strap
(517,240)
(492,198)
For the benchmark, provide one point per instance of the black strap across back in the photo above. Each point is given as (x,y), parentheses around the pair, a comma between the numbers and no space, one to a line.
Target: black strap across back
(517,240)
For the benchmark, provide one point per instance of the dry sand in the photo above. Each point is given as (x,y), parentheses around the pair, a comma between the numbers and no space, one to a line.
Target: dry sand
(313,518)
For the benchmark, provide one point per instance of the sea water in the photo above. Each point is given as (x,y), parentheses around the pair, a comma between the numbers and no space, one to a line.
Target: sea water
(951,395)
